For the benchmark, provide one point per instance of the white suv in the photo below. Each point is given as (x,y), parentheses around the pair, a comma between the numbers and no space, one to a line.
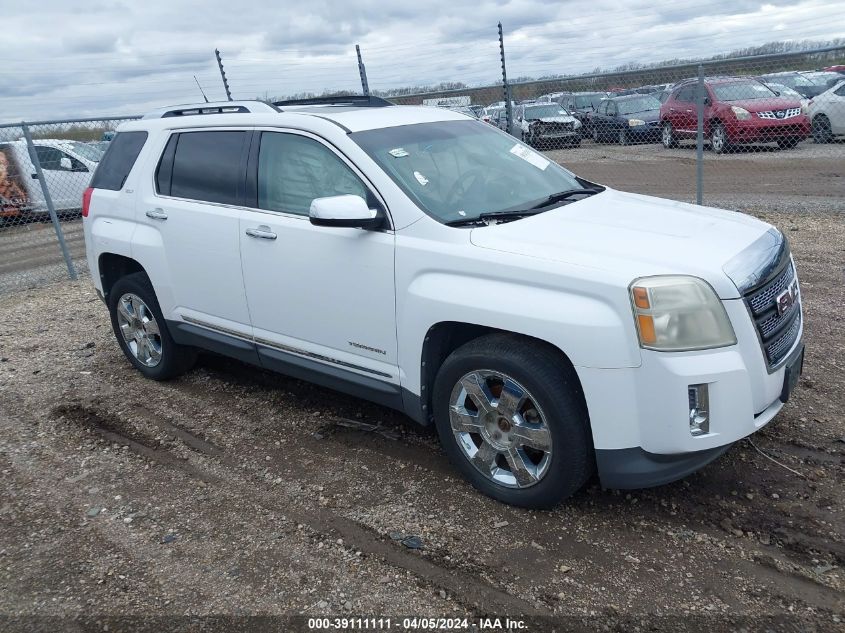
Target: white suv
(549,327)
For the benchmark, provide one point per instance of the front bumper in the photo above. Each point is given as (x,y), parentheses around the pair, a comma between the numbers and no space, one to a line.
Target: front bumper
(640,415)
(768,131)
(644,132)
(629,468)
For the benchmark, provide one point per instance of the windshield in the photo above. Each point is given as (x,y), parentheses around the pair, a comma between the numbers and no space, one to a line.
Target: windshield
(533,113)
(641,104)
(457,170)
(89,152)
(793,80)
(823,79)
(742,91)
(586,101)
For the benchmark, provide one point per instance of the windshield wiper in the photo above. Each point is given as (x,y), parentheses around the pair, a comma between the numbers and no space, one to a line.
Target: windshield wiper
(563,195)
(515,214)
(493,215)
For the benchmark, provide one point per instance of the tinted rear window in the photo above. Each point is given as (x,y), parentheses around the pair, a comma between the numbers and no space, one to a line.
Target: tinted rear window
(206,166)
(118,160)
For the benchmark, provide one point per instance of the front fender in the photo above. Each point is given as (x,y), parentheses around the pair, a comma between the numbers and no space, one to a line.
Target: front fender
(590,330)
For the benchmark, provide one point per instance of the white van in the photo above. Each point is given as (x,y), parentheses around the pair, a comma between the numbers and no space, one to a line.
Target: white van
(67,166)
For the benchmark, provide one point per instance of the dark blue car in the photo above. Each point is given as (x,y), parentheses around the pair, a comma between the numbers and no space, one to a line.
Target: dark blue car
(628,119)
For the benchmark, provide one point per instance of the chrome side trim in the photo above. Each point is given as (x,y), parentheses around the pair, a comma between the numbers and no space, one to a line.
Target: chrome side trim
(217,328)
(284,348)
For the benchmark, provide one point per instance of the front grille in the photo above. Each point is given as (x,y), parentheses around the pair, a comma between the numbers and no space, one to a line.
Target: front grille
(778,331)
(779,114)
(551,128)
(776,351)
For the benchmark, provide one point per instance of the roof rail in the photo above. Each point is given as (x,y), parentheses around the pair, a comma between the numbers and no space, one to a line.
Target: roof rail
(361,101)
(219,107)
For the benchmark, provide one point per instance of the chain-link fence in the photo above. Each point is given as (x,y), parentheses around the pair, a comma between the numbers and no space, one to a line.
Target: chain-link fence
(739,132)
(45,168)
(767,125)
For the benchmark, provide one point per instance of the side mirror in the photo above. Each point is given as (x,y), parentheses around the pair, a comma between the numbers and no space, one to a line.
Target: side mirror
(707,101)
(65,163)
(344,211)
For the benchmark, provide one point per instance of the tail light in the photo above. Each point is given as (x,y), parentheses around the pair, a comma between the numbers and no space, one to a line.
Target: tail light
(86,201)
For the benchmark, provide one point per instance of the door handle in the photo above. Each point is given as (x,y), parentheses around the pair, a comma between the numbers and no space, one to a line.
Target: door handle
(157,214)
(262,232)
(689,110)
(34,176)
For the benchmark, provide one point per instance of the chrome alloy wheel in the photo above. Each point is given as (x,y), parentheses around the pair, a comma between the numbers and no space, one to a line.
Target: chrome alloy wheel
(139,329)
(718,139)
(666,135)
(500,428)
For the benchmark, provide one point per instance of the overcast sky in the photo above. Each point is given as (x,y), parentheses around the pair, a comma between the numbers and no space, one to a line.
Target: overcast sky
(97,57)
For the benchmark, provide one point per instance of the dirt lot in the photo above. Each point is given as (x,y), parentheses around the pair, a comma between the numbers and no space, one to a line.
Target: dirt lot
(235,492)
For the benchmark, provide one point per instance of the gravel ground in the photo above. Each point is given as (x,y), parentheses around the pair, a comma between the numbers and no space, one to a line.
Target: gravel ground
(235,492)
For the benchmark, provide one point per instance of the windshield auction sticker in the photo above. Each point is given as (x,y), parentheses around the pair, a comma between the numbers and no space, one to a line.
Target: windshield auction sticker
(532,157)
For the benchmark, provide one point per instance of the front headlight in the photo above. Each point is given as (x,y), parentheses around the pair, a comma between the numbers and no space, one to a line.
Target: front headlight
(677,313)
(741,113)
(577,124)
(635,122)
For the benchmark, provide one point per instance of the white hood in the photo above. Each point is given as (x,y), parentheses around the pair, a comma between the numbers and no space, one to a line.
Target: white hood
(632,235)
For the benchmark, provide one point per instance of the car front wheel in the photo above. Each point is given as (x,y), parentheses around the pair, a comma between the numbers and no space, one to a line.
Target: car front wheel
(141,330)
(511,417)
(719,139)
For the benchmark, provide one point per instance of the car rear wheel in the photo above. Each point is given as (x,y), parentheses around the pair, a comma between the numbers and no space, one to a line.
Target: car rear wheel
(667,136)
(141,330)
(719,139)
(511,417)
(822,132)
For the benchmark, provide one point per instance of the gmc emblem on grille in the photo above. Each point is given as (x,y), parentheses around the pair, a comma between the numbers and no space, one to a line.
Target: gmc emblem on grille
(787,298)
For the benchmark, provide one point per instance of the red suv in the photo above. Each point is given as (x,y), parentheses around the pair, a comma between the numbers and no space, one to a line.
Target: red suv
(736,110)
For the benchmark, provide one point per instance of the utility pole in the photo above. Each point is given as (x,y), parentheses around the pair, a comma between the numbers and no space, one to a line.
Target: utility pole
(505,86)
(363,72)
(223,74)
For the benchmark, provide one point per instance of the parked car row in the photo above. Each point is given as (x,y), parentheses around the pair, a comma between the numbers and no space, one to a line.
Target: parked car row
(737,111)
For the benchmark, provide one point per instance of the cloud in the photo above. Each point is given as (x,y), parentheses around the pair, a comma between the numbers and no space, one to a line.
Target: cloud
(102,57)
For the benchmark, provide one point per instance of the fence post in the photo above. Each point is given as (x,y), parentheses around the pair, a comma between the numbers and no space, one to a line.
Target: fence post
(363,72)
(699,139)
(505,86)
(223,74)
(48,200)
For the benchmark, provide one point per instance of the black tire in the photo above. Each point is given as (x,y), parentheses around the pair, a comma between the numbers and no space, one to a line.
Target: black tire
(788,143)
(175,359)
(554,387)
(667,136)
(822,132)
(719,142)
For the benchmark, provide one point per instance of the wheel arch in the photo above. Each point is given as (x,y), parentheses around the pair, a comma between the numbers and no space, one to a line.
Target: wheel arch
(445,337)
(111,267)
